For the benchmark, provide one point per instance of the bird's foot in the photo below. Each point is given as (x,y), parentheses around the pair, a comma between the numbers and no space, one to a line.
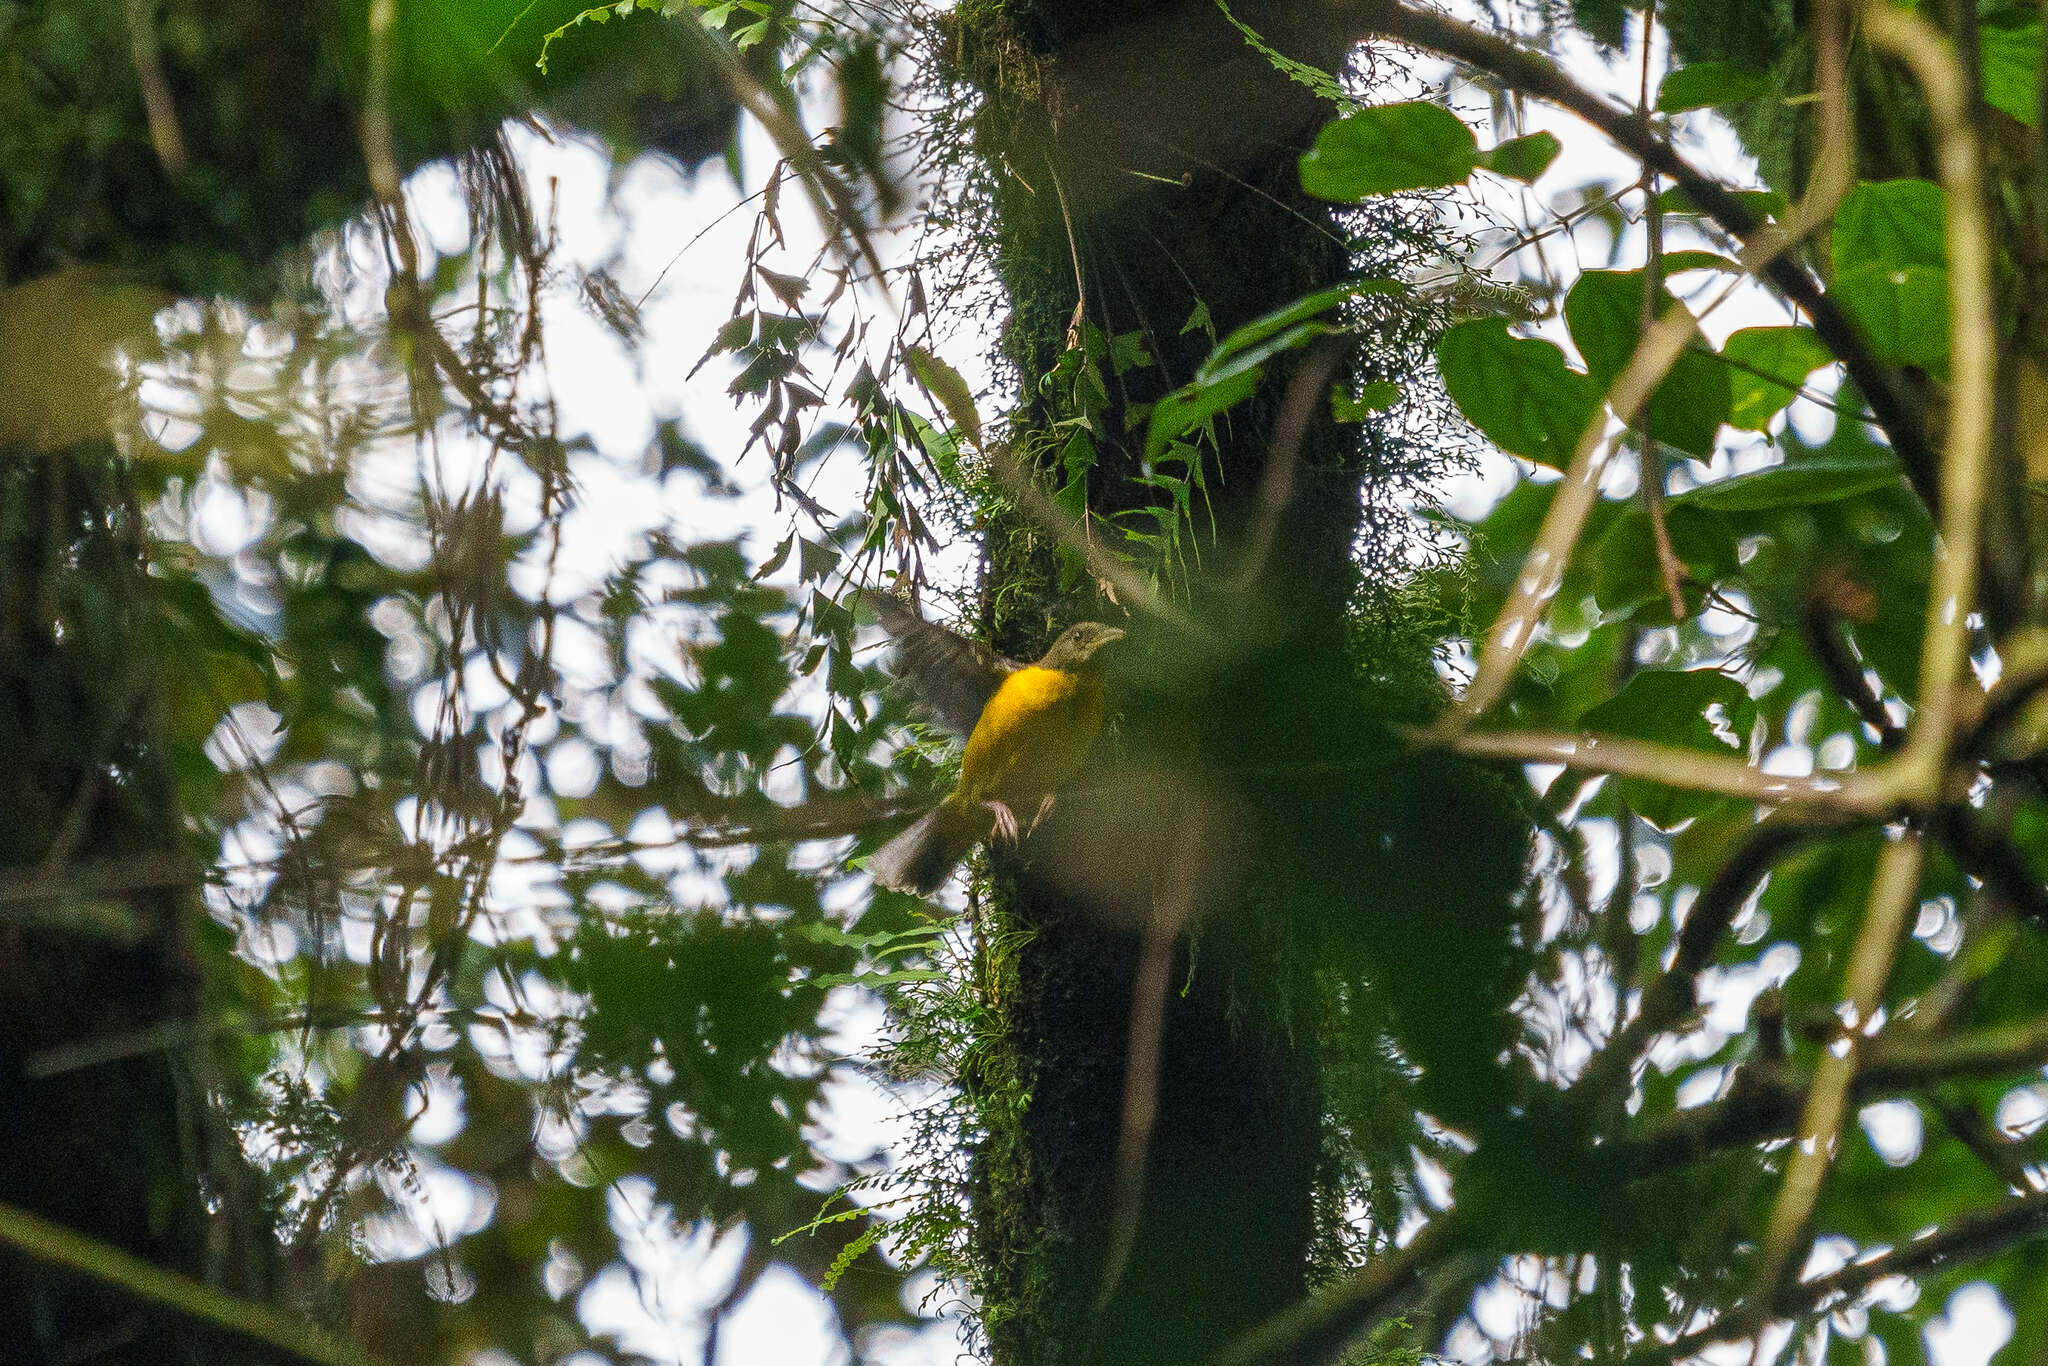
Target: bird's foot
(1044,810)
(1006,822)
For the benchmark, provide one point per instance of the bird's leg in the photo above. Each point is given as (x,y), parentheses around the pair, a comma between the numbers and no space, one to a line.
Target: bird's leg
(1044,810)
(1006,821)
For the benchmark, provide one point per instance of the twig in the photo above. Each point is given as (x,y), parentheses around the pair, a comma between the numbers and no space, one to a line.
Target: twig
(1321,1325)
(1990,856)
(1150,986)
(1650,462)
(1894,894)
(60,1246)
(829,194)
(1283,456)
(1972,1237)
(1675,993)
(1514,630)
(1820,623)
(1764,1103)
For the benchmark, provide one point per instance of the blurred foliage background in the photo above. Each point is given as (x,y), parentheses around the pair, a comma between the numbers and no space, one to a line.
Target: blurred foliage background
(1562,879)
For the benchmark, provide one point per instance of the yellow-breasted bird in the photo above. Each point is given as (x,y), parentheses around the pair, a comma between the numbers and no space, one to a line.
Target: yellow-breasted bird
(1028,728)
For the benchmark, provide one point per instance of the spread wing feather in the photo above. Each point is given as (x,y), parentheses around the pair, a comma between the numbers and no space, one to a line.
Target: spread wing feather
(953,675)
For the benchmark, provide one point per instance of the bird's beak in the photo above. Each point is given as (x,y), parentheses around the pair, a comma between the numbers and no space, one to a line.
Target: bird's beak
(1110,636)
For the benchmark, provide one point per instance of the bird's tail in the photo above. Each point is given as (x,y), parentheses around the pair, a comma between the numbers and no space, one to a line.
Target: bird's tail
(919,859)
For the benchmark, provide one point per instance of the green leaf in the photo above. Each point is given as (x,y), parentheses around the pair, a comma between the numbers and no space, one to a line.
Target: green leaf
(1902,312)
(945,385)
(1677,262)
(776,560)
(1891,223)
(1517,390)
(1817,479)
(1233,370)
(1375,397)
(1392,147)
(814,561)
(1187,408)
(1770,363)
(1604,313)
(1628,575)
(1704,85)
(2009,51)
(1524,158)
(1670,707)
(1280,319)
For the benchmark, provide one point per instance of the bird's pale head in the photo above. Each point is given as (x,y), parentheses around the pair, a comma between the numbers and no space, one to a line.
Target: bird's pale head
(1076,647)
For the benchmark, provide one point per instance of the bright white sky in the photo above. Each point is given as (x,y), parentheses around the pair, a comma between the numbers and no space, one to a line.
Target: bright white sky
(654,225)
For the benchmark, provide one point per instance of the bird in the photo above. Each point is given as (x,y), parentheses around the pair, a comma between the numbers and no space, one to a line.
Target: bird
(1028,729)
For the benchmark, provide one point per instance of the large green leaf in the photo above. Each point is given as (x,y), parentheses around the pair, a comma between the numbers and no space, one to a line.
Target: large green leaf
(1628,575)
(1700,709)
(1767,366)
(1517,390)
(1892,223)
(946,385)
(2009,51)
(1220,385)
(1392,147)
(1902,311)
(1604,312)
(1233,370)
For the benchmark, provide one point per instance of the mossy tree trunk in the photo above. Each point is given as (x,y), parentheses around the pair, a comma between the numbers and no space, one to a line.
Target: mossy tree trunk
(1204,812)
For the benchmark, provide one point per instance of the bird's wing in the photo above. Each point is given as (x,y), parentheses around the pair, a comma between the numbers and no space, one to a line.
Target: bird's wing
(953,675)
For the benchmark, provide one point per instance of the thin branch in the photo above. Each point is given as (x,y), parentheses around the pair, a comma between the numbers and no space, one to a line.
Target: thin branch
(829,194)
(1650,461)
(1971,1238)
(1305,395)
(1320,1326)
(60,1246)
(1820,624)
(165,137)
(1990,855)
(1894,894)
(1691,769)
(1764,1102)
(1675,994)
(1514,630)
(1173,909)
